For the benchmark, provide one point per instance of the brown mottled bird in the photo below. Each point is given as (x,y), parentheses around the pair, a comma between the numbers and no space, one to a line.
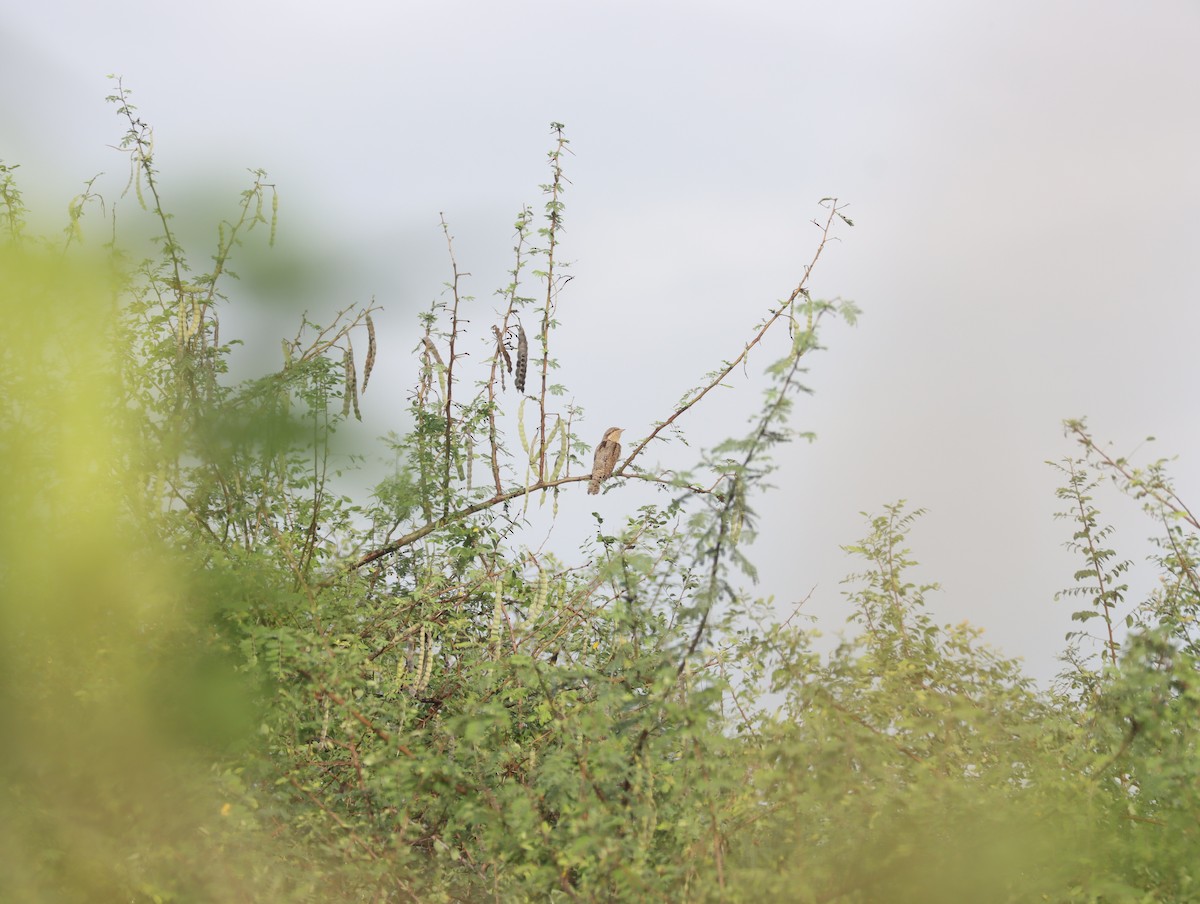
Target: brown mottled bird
(607,454)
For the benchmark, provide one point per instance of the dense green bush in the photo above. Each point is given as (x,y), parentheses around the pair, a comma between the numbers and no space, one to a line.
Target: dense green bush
(223,679)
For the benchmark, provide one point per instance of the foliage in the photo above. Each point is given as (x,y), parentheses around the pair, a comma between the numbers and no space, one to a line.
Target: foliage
(224,679)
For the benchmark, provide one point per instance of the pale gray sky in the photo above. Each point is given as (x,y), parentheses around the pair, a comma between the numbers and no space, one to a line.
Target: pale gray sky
(1024,176)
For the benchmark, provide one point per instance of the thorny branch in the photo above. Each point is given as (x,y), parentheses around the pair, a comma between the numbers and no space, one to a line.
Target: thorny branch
(501,355)
(554,210)
(807,343)
(785,310)
(424,531)
(1156,490)
(454,329)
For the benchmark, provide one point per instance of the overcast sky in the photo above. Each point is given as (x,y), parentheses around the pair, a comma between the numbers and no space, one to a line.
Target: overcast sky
(1024,178)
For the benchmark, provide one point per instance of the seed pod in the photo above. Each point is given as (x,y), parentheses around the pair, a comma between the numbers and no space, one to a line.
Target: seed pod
(191,325)
(535,449)
(422,655)
(426,668)
(522,357)
(497,611)
(350,393)
(370,362)
(521,425)
(539,599)
(274,217)
(500,349)
(561,459)
(433,350)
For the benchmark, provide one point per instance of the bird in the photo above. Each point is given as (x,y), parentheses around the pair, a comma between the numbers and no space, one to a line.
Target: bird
(607,454)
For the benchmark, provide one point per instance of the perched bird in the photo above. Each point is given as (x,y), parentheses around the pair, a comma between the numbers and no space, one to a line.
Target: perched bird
(607,454)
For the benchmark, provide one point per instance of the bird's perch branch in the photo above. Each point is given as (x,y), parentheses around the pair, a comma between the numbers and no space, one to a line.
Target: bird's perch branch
(426,529)
(776,315)
(501,497)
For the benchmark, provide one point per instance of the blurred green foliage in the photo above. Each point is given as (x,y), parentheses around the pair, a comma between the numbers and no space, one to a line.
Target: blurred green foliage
(221,680)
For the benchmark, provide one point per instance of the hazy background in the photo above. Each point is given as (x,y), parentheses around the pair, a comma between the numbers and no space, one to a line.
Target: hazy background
(1025,180)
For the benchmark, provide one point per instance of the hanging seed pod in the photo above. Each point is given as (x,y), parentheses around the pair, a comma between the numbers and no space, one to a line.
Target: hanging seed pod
(470,459)
(350,394)
(522,358)
(428,671)
(370,362)
(422,655)
(433,350)
(521,434)
(274,217)
(497,612)
(563,449)
(192,327)
(500,349)
(535,448)
(539,599)
(426,662)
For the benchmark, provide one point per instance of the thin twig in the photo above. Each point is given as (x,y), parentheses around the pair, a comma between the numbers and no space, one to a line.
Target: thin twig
(450,367)
(776,315)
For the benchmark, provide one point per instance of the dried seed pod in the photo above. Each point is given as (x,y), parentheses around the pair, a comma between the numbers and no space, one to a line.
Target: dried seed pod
(422,657)
(401,668)
(522,357)
(433,350)
(500,349)
(350,396)
(370,362)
